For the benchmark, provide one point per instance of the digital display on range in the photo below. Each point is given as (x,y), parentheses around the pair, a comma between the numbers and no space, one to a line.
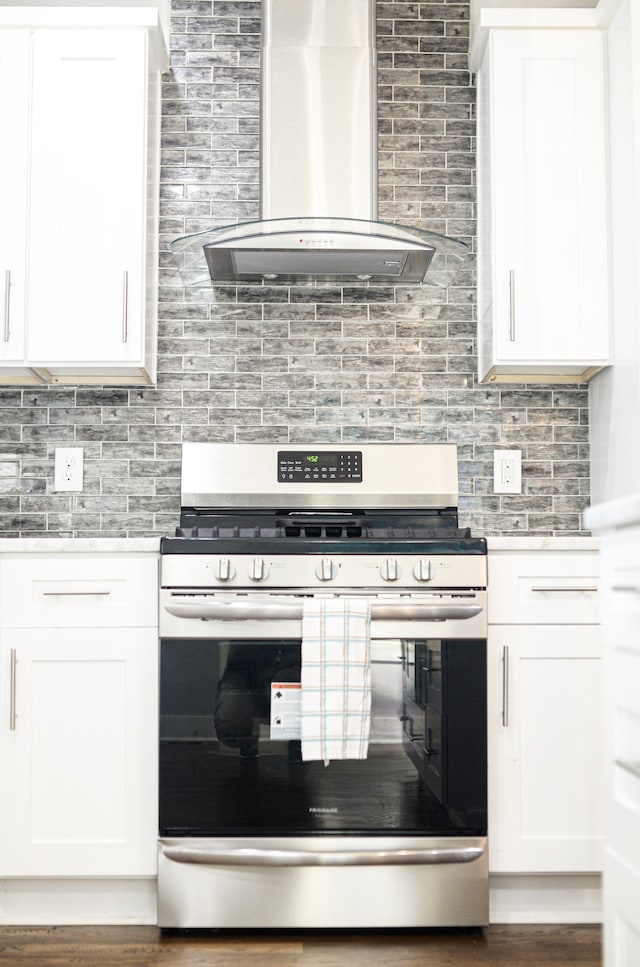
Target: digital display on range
(319,466)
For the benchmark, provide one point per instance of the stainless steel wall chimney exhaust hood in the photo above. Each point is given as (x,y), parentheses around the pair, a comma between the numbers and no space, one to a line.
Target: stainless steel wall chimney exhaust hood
(318,165)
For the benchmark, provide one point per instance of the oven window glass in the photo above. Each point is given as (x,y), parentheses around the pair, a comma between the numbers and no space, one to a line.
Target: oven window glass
(230,756)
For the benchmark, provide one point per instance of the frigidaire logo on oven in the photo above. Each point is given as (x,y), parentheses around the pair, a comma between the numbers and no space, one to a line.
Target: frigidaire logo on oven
(323,809)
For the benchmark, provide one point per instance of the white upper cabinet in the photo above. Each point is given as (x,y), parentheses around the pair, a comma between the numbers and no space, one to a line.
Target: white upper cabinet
(543,290)
(87,218)
(14,181)
(78,199)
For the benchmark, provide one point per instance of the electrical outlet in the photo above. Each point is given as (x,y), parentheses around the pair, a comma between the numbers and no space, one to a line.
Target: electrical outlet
(507,471)
(68,469)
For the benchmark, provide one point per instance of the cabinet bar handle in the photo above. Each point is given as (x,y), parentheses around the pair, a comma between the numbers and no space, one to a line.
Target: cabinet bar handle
(632,767)
(505,686)
(631,588)
(125,306)
(565,590)
(12,692)
(7,303)
(512,306)
(74,594)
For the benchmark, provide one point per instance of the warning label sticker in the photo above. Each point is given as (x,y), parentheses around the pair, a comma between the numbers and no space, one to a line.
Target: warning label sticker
(285,710)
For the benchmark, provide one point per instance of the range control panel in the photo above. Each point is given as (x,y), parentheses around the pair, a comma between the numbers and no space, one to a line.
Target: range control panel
(319,466)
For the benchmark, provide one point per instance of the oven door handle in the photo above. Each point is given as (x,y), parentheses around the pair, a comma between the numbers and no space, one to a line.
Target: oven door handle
(301,857)
(248,611)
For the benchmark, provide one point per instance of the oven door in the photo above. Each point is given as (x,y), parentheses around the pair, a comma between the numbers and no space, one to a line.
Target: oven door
(230,756)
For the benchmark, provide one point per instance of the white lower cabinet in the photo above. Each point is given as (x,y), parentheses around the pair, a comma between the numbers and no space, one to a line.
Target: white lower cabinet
(78,725)
(545,700)
(79,752)
(545,749)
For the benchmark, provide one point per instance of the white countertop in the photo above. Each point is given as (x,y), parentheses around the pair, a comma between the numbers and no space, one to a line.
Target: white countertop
(624,512)
(545,543)
(80,545)
(151,545)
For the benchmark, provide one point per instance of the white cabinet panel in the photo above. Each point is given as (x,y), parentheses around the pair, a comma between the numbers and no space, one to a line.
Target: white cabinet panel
(78,715)
(545,701)
(619,526)
(544,588)
(14,118)
(75,592)
(87,225)
(542,206)
(623,734)
(79,189)
(622,927)
(79,755)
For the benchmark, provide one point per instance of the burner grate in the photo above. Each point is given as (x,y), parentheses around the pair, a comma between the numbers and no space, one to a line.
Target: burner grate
(334,527)
(325,531)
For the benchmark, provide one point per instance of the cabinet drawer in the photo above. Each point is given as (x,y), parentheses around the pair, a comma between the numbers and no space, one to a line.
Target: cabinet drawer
(78,592)
(545,588)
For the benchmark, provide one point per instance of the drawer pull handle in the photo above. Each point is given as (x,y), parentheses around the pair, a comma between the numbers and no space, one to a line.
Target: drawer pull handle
(629,588)
(633,768)
(12,692)
(74,594)
(564,590)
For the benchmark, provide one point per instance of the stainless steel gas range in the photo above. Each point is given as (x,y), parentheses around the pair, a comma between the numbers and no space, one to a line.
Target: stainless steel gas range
(300,580)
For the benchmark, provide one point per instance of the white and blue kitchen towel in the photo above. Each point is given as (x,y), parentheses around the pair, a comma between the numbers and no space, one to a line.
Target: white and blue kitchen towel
(336,678)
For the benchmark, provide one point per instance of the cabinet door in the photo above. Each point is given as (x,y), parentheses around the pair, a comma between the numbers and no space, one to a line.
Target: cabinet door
(545,749)
(78,734)
(543,204)
(14,122)
(87,212)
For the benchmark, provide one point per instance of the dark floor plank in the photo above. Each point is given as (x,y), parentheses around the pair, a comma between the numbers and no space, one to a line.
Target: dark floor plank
(497,946)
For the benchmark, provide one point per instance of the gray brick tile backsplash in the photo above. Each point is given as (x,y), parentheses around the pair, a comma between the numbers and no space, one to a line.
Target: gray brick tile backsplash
(328,363)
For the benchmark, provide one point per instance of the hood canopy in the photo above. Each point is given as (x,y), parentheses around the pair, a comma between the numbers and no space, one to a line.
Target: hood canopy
(308,249)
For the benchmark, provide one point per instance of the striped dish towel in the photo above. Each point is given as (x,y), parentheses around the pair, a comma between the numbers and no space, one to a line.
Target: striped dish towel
(336,678)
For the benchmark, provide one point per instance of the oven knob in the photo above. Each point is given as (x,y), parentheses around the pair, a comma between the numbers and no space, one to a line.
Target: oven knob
(225,571)
(258,570)
(389,570)
(326,569)
(424,570)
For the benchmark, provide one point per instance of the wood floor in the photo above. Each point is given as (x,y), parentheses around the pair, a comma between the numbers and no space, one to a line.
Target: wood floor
(497,946)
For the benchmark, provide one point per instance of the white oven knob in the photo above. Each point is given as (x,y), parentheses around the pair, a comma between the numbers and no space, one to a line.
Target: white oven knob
(389,570)
(326,569)
(258,570)
(423,570)
(225,570)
